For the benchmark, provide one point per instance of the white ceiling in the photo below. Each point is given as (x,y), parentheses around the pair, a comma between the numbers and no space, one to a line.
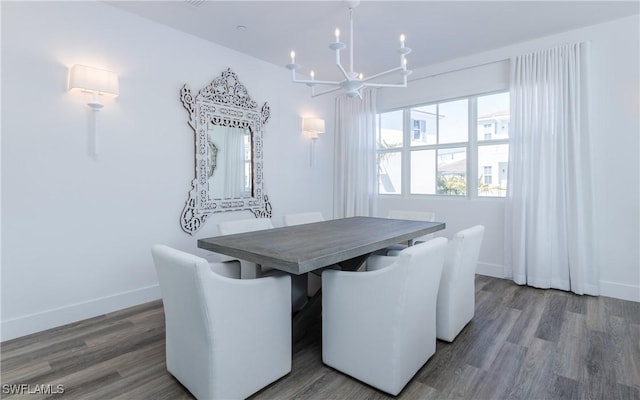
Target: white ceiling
(436,30)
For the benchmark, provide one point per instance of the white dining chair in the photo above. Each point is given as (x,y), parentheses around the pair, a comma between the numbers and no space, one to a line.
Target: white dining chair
(212,323)
(228,268)
(380,326)
(415,216)
(411,216)
(250,270)
(456,298)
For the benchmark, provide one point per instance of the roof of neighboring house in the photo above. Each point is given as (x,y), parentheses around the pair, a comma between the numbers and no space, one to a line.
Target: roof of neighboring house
(502,114)
(453,167)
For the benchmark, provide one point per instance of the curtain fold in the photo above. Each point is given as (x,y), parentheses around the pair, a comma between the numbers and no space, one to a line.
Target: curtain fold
(549,205)
(355,155)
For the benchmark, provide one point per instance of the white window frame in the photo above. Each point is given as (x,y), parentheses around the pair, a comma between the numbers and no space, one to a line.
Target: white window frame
(471,146)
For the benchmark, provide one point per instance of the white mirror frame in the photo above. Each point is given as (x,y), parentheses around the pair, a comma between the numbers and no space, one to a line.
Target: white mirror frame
(225,101)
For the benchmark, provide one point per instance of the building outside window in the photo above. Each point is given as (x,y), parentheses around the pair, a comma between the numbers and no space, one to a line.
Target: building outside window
(449,148)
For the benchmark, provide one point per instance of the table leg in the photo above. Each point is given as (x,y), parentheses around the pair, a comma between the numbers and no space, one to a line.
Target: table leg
(304,318)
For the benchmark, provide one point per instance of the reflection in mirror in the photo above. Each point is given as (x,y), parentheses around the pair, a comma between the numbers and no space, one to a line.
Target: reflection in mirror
(230,162)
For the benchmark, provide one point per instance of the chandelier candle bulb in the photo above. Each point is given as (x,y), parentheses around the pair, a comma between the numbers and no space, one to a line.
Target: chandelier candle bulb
(402,41)
(337,35)
(293,57)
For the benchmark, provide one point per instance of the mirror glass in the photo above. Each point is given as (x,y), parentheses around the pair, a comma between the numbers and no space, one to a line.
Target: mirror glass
(230,167)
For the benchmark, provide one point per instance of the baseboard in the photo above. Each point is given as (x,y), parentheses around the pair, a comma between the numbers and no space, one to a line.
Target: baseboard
(608,289)
(493,270)
(620,291)
(37,322)
(41,321)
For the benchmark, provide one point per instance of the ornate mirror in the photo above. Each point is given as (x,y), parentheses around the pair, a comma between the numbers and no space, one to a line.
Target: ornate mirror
(227,127)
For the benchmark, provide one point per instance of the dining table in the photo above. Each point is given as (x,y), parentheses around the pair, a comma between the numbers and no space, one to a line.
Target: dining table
(300,249)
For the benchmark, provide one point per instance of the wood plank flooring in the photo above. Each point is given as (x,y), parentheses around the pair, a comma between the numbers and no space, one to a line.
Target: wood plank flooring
(523,343)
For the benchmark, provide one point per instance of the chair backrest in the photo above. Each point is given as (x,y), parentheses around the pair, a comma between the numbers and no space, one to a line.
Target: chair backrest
(462,254)
(412,215)
(247,269)
(244,225)
(186,317)
(456,298)
(417,319)
(303,218)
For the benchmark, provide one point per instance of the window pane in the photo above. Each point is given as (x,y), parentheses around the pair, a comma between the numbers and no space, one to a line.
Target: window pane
(453,121)
(493,116)
(492,165)
(389,132)
(423,172)
(390,173)
(452,171)
(424,125)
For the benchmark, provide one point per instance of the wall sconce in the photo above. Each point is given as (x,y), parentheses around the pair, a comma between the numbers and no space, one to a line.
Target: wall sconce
(312,127)
(96,82)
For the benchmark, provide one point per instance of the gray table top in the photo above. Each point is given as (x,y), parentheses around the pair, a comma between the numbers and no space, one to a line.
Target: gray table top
(303,248)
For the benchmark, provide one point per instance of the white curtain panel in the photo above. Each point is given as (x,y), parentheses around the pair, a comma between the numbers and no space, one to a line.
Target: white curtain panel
(234,162)
(227,179)
(549,207)
(355,155)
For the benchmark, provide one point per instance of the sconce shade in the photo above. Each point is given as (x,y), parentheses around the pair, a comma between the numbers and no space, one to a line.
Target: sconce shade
(93,80)
(313,126)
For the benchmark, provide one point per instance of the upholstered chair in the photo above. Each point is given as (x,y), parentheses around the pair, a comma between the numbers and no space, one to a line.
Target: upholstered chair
(456,298)
(380,326)
(212,323)
(230,269)
(251,270)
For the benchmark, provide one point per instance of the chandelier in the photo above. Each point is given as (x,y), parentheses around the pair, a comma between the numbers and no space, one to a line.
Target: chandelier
(352,82)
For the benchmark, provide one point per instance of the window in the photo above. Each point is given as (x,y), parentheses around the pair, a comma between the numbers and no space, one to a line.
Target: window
(487,175)
(493,151)
(450,148)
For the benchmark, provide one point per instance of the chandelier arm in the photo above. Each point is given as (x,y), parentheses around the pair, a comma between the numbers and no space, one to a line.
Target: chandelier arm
(340,67)
(313,94)
(397,85)
(387,72)
(344,72)
(316,82)
(389,85)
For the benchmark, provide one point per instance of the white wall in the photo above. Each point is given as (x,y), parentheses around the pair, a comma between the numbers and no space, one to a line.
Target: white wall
(76,232)
(615,126)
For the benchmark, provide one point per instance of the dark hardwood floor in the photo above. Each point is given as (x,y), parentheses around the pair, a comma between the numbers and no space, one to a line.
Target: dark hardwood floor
(523,343)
